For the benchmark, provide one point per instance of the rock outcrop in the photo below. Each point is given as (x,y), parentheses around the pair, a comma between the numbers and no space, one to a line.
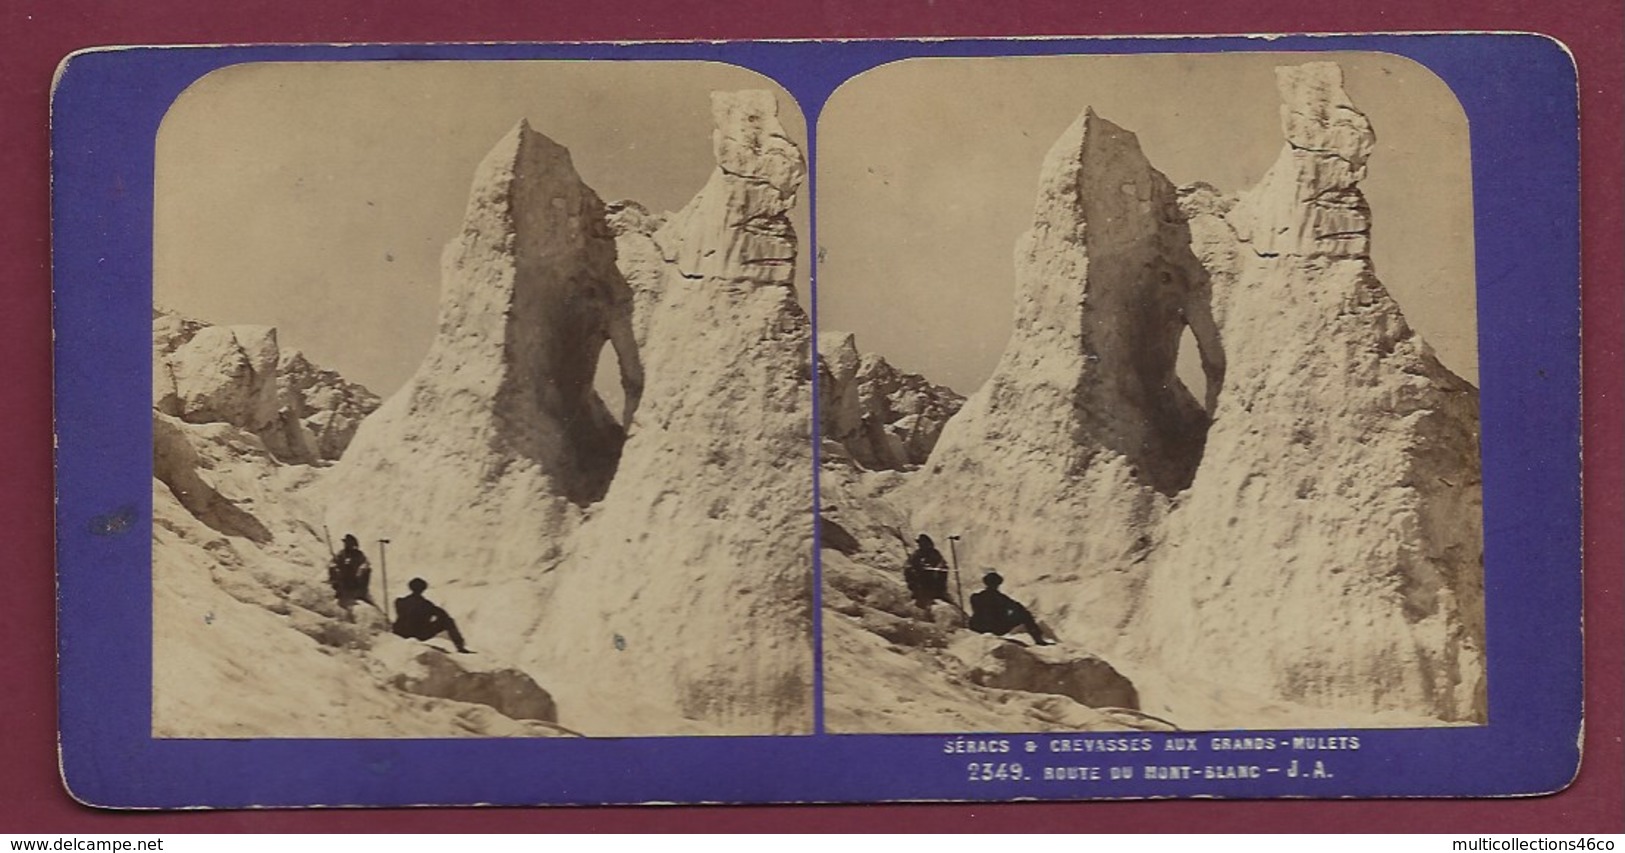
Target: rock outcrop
(1012,665)
(1337,511)
(429,671)
(874,414)
(501,422)
(691,583)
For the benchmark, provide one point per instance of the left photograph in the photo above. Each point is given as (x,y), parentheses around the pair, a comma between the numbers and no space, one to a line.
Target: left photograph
(481,403)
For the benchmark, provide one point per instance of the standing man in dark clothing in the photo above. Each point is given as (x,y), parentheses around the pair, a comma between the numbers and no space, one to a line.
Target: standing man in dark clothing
(418,618)
(350,575)
(993,612)
(926,574)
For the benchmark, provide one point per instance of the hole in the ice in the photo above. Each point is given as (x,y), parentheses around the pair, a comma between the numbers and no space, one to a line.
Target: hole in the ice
(1190,371)
(607,382)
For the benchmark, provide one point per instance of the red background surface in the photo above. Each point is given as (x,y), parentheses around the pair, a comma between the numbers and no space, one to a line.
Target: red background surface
(36,34)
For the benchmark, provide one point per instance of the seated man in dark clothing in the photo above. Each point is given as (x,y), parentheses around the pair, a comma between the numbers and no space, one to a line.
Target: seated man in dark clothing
(993,612)
(418,618)
(350,575)
(926,574)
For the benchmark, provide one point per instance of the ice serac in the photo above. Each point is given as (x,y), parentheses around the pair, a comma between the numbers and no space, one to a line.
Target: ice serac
(840,425)
(737,229)
(1083,420)
(501,421)
(1330,549)
(874,414)
(639,259)
(1309,202)
(327,409)
(691,581)
(226,374)
(239,375)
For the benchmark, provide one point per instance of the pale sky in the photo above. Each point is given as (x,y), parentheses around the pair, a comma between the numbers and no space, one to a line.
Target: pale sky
(928,170)
(316,197)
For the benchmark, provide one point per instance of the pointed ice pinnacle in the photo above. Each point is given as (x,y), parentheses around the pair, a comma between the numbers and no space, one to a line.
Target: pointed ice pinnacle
(501,420)
(1309,202)
(1083,421)
(738,228)
(1338,507)
(699,557)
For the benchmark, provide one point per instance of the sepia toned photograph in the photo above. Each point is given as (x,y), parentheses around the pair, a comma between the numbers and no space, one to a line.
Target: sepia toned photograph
(819,421)
(482,403)
(1148,397)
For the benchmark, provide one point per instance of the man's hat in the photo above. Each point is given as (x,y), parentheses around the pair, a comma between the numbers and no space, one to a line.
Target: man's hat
(417,584)
(992,578)
(349,539)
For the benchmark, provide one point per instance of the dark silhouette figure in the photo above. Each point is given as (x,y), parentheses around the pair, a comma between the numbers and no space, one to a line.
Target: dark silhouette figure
(926,574)
(418,618)
(350,575)
(993,612)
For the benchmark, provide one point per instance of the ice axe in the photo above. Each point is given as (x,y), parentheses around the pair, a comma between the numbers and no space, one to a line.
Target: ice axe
(383,569)
(332,555)
(900,537)
(333,566)
(953,551)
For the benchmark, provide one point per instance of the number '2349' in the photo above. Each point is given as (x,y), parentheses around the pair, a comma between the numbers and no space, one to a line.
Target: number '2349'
(1003,771)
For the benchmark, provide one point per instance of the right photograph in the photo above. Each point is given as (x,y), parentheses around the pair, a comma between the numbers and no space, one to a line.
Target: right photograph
(1148,396)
